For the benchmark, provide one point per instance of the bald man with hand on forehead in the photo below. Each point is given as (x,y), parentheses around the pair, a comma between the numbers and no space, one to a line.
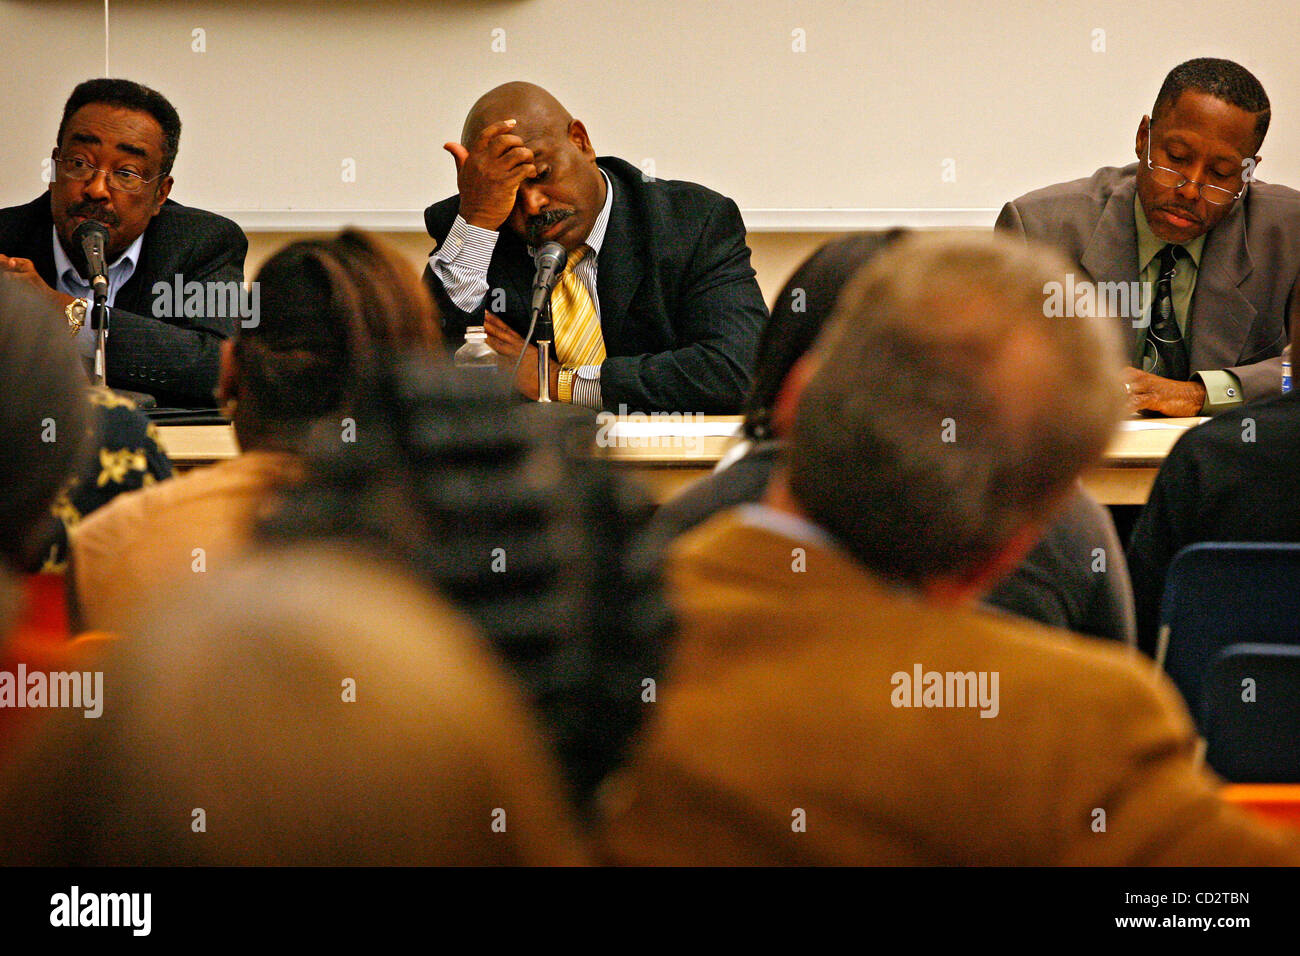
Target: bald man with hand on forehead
(659,308)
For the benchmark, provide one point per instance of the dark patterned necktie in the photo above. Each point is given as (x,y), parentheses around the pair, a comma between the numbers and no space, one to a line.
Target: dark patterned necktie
(1165,353)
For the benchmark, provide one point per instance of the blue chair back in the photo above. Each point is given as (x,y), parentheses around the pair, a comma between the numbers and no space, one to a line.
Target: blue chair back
(1251,713)
(1218,594)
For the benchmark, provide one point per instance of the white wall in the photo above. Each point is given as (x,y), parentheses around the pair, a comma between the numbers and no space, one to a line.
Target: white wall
(711,90)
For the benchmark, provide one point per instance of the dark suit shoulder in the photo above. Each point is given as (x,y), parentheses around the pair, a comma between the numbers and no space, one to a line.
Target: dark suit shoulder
(19,224)
(1275,423)
(439,217)
(676,201)
(195,226)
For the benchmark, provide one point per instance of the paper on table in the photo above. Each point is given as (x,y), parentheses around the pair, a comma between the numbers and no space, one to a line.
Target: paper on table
(666,429)
(1144,425)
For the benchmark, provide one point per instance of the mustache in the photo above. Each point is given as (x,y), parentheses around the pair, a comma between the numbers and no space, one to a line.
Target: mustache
(94,211)
(538,224)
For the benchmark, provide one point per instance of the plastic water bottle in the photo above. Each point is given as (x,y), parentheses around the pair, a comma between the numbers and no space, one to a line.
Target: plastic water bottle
(1286,369)
(476,354)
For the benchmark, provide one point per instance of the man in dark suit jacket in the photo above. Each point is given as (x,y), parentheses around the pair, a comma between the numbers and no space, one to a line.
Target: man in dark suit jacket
(664,264)
(1237,261)
(175,273)
(1236,478)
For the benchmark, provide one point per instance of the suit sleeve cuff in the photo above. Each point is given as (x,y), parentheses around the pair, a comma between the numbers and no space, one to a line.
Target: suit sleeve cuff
(1222,390)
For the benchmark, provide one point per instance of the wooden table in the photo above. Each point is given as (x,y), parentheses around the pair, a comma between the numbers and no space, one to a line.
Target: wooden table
(667,462)
(1135,454)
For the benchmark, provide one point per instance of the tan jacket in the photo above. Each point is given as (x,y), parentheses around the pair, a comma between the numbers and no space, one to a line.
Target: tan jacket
(139,543)
(775,737)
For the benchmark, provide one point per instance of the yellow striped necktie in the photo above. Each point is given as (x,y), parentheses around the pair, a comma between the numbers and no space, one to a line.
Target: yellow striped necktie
(578,340)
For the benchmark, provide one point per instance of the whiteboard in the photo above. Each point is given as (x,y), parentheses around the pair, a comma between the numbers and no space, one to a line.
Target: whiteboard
(814,115)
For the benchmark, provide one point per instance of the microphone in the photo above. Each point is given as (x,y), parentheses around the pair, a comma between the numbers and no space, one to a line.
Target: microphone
(550,261)
(92,238)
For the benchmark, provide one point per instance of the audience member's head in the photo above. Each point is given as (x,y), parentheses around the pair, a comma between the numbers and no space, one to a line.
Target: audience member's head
(800,311)
(307,708)
(497,507)
(42,418)
(945,414)
(327,308)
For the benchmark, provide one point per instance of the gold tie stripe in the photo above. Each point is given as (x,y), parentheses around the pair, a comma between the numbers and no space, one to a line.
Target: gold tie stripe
(578,340)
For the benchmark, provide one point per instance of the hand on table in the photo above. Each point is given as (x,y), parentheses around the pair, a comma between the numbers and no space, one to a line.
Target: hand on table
(1147,392)
(508,343)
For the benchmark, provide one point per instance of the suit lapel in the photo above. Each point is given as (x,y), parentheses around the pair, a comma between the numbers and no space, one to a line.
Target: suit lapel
(1221,317)
(1111,255)
(618,269)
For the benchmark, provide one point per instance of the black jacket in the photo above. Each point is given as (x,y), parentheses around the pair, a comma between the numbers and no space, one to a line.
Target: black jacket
(175,359)
(1234,478)
(680,308)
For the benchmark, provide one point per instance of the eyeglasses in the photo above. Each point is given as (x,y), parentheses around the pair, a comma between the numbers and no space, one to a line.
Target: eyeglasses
(121,180)
(1173,179)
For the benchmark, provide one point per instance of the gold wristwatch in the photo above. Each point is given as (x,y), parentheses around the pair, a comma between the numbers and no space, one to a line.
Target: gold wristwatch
(76,314)
(564,390)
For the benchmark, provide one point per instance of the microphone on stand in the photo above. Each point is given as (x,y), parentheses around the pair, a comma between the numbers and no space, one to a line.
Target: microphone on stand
(92,238)
(550,261)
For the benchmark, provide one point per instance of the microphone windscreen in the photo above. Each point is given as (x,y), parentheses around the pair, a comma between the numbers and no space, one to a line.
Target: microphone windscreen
(552,251)
(89,228)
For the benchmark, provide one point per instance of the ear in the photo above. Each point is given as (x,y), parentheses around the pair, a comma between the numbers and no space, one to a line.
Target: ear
(792,388)
(228,373)
(1140,144)
(54,166)
(579,138)
(164,190)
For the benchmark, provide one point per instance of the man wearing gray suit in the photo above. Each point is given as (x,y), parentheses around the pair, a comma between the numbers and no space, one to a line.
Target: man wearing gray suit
(1216,252)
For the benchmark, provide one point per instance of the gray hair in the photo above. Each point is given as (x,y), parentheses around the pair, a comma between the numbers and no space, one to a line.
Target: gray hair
(947,411)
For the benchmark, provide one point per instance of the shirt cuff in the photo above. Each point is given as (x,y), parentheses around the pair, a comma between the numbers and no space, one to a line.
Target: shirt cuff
(461,263)
(586,387)
(1222,390)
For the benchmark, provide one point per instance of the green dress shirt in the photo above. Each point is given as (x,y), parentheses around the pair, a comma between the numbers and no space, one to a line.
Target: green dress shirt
(1222,388)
